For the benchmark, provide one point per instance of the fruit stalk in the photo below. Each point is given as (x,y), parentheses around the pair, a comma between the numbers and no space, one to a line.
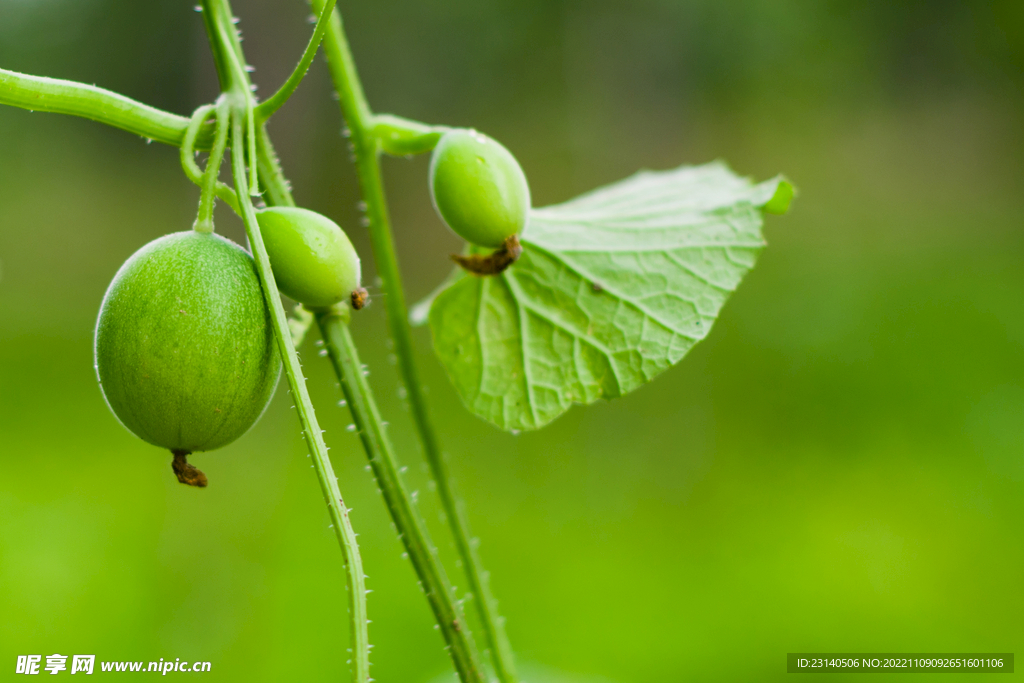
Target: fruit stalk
(361,123)
(187,154)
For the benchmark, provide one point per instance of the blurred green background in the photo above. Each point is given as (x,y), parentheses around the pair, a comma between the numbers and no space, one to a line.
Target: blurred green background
(838,467)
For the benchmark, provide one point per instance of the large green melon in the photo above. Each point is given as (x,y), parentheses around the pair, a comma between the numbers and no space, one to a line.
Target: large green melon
(185,353)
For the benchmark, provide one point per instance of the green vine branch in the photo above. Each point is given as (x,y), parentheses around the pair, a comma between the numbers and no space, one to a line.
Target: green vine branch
(226,36)
(207,180)
(411,527)
(211,186)
(402,137)
(38,93)
(266,109)
(277,189)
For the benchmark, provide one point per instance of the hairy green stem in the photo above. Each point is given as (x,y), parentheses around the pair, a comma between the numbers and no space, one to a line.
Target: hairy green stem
(278,189)
(403,137)
(188,157)
(266,109)
(204,218)
(240,97)
(207,180)
(187,153)
(366,145)
(228,36)
(411,527)
(310,427)
(38,93)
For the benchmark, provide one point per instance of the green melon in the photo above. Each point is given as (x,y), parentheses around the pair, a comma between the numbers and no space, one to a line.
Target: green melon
(478,188)
(185,353)
(313,260)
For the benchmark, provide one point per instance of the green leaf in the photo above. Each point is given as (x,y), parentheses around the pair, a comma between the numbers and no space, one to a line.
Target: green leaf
(613,287)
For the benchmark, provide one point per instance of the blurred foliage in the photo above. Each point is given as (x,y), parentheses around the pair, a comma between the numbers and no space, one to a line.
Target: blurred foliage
(837,467)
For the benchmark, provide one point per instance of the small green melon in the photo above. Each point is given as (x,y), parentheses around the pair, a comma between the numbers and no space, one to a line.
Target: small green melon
(185,353)
(313,260)
(478,188)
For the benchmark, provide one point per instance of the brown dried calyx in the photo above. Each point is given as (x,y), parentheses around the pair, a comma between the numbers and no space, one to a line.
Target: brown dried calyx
(186,473)
(494,263)
(360,297)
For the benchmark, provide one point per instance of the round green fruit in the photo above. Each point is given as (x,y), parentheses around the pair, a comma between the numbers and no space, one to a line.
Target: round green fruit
(185,354)
(313,260)
(478,188)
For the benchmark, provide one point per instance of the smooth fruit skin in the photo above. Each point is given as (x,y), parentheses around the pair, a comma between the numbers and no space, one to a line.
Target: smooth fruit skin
(311,256)
(185,354)
(478,188)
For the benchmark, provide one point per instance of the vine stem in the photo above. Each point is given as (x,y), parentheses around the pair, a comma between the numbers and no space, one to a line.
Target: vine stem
(411,527)
(210,182)
(311,431)
(39,93)
(216,13)
(207,180)
(188,154)
(366,146)
(267,108)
